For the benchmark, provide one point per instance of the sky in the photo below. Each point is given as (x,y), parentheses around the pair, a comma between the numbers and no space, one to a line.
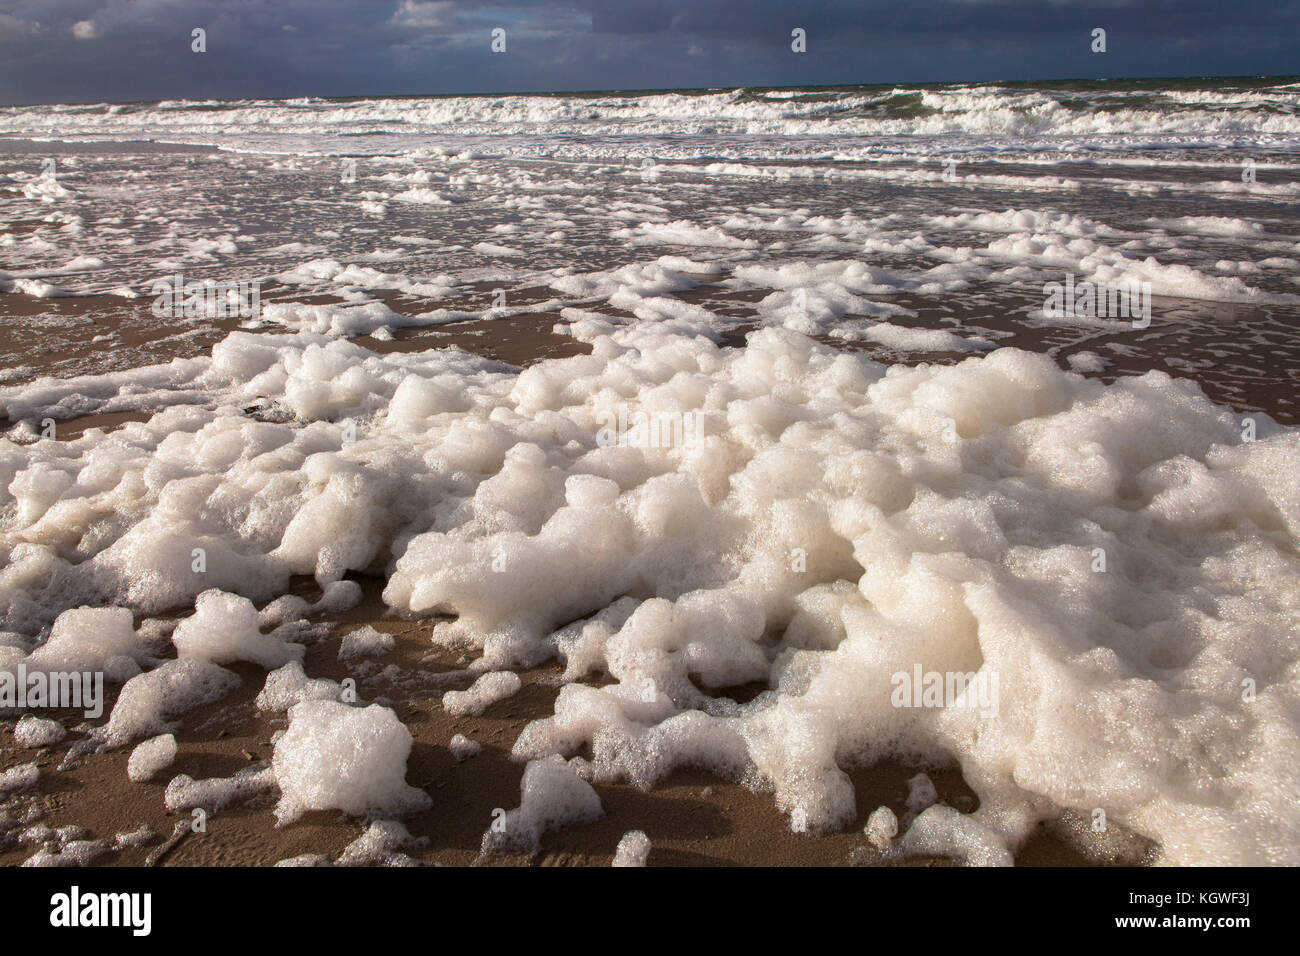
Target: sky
(78,51)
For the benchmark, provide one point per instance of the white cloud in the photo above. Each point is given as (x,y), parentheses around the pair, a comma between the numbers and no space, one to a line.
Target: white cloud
(84,30)
(422,13)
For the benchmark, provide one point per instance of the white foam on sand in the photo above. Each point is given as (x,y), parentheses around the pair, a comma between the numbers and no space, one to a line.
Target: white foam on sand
(216,793)
(380,843)
(92,639)
(365,641)
(482,694)
(289,685)
(150,757)
(338,757)
(224,629)
(462,748)
(552,797)
(831,523)
(19,778)
(33,732)
(633,849)
(150,702)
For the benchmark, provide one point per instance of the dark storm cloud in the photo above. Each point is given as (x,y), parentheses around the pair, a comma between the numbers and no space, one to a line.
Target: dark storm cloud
(631,16)
(96,50)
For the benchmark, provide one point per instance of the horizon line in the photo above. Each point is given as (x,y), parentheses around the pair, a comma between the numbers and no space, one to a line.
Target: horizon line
(679,89)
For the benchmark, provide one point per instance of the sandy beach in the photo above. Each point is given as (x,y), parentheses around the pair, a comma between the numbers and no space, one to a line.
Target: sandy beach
(906,459)
(692,819)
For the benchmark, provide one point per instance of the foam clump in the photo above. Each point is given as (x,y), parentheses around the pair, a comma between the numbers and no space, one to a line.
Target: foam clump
(73,853)
(552,797)
(365,642)
(150,757)
(215,793)
(462,748)
(290,685)
(921,795)
(1114,558)
(942,831)
(338,757)
(632,850)
(35,732)
(487,690)
(380,844)
(881,828)
(129,839)
(19,778)
(92,639)
(41,833)
(288,609)
(337,597)
(224,629)
(150,701)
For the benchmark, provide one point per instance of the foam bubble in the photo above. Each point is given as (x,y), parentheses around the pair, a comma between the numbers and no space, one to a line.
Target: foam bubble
(552,796)
(482,694)
(151,757)
(633,849)
(338,757)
